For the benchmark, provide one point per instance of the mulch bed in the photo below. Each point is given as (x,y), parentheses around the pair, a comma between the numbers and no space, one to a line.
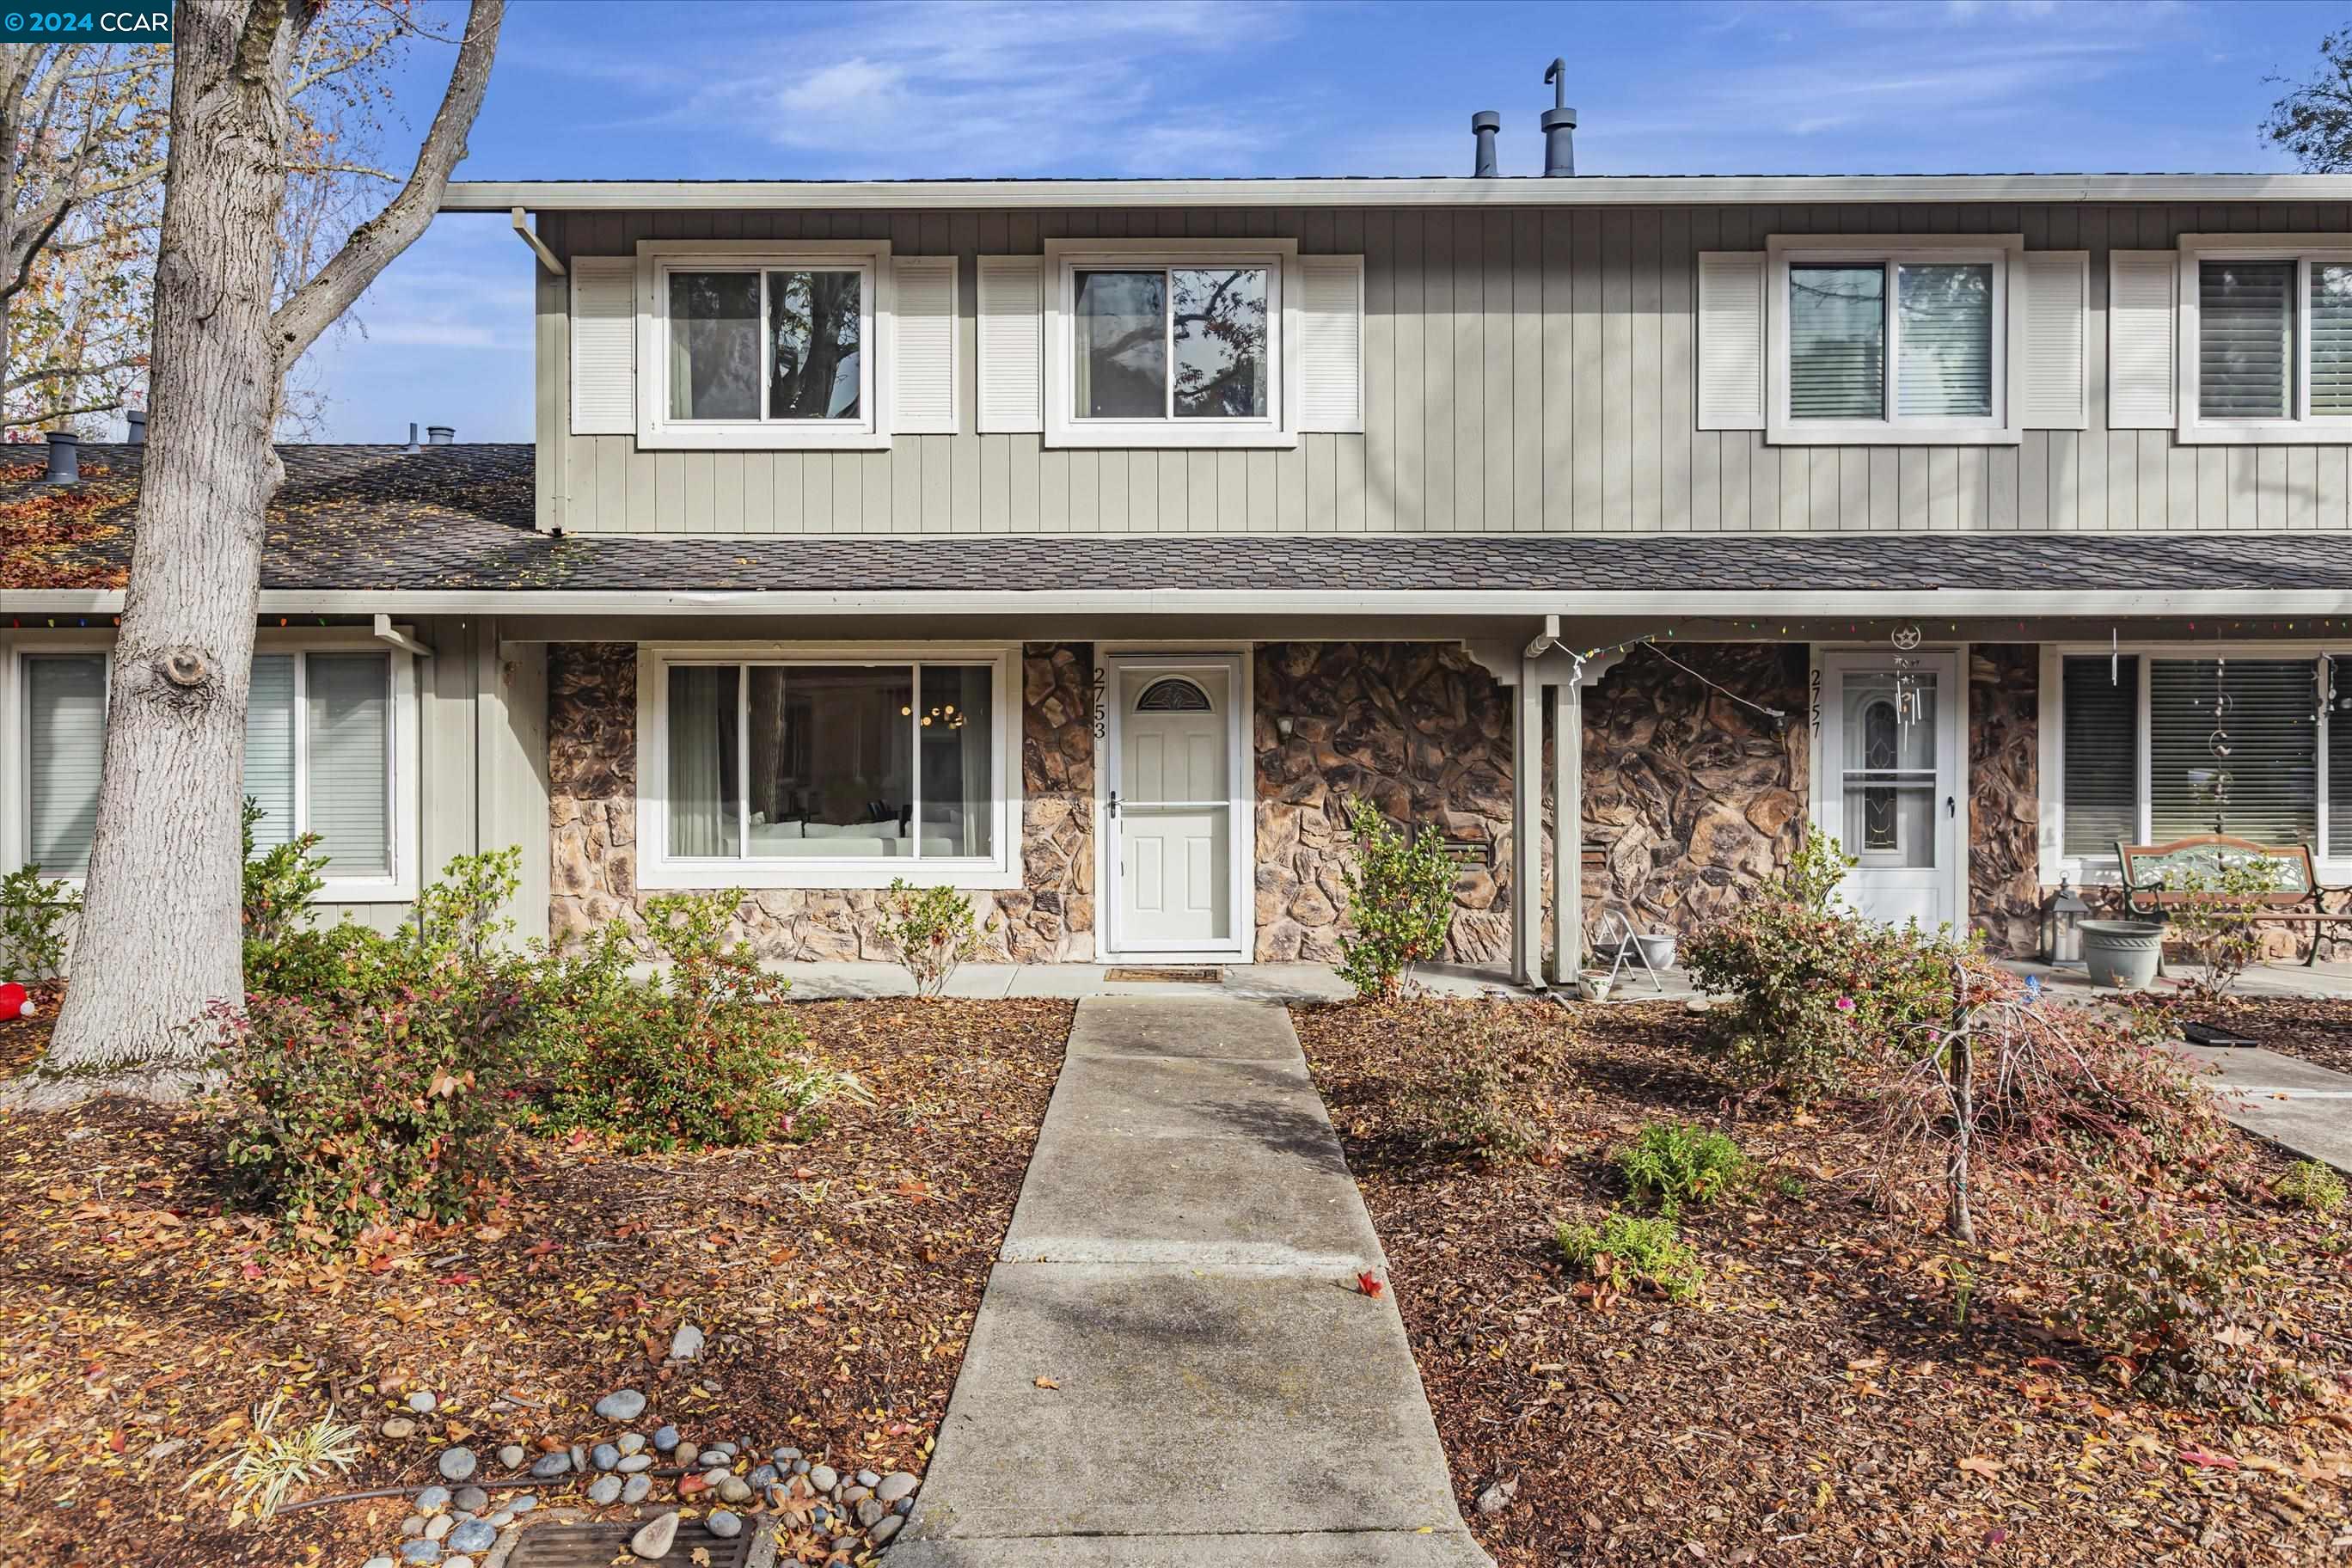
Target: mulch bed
(1817,1404)
(2316,1028)
(140,1321)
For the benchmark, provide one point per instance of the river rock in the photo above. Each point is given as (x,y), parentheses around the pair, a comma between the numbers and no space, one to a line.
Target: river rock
(511,1455)
(604,1456)
(398,1427)
(432,1499)
(458,1464)
(666,1438)
(823,1478)
(883,1533)
(546,1467)
(655,1539)
(474,1535)
(636,1489)
(630,1443)
(894,1486)
(623,1405)
(723,1524)
(471,1499)
(422,1402)
(686,1344)
(605,1490)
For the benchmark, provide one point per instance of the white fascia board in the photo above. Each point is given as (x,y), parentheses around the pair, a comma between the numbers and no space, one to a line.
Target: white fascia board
(1588,190)
(1677,604)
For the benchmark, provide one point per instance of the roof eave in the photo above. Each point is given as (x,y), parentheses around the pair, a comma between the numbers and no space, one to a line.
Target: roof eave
(669,195)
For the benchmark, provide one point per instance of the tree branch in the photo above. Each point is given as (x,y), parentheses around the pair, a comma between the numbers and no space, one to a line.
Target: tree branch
(47,415)
(338,285)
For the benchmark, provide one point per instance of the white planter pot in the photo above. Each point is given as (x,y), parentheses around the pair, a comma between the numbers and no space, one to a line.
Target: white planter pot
(1593,984)
(2122,953)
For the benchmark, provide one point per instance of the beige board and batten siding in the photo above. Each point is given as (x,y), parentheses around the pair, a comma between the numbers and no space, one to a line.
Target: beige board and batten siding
(1526,370)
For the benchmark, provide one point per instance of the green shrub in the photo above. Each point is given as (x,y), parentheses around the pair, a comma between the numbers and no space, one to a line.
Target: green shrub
(381,1091)
(1454,1088)
(2216,915)
(2309,1184)
(1624,1251)
(703,1054)
(284,955)
(1816,990)
(1400,902)
(33,915)
(2182,1310)
(932,930)
(1673,1162)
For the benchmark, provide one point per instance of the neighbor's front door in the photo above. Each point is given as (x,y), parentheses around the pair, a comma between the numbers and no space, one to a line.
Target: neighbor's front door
(1890,766)
(1170,808)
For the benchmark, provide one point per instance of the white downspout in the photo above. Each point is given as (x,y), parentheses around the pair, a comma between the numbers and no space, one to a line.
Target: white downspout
(1566,832)
(1526,828)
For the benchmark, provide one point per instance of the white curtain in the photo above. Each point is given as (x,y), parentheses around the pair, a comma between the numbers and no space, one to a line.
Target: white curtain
(702,819)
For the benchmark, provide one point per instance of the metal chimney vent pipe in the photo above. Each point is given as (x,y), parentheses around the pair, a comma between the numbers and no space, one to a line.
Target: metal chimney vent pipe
(65,459)
(1486,126)
(440,435)
(136,418)
(411,436)
(1558,126)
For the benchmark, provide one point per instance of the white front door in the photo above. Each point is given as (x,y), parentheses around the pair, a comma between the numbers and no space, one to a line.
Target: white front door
(1170,804)
(1890,781)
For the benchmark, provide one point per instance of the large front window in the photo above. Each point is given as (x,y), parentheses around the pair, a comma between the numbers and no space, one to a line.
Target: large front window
(319,748)
(2155,748)
(786,766)
(2274,339)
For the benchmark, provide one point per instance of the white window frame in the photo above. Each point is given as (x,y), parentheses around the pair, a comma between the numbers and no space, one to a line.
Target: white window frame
(657,258)
(1064,258)
(2101,870)
(656,869)
(2002,252)
(401,752)
(2301,427)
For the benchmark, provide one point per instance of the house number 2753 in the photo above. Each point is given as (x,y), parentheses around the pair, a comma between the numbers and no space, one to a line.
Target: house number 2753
(1094,688)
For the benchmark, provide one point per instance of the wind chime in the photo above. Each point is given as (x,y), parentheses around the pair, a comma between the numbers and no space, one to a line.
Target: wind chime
(1910,705)
(2218,744)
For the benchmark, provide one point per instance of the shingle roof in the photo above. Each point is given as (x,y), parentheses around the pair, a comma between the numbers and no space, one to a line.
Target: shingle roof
(459,517)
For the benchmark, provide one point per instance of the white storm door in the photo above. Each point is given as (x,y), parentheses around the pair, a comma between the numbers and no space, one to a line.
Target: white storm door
(1890,774)
(1170,808)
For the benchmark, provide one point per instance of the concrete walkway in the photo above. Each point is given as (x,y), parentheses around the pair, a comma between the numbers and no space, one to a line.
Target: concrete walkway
(1182,1269)
(2302,1107)
(1282,982)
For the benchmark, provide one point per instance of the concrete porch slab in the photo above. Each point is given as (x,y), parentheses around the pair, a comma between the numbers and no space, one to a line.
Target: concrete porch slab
(2302,1107)
(1378,1549)
(1282,982)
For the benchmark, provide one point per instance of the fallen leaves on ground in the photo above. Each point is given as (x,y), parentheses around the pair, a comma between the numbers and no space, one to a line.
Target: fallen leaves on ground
(1824,1400)
(141,1320)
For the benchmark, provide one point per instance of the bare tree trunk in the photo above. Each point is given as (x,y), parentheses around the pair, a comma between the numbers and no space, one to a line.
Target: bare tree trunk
(160,935)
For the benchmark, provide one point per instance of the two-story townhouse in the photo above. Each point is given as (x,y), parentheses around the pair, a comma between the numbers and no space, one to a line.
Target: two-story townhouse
(1086,543)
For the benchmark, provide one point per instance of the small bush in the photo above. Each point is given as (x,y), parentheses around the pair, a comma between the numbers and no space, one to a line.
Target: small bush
(1400,903)
(1455,1090)
(1817,991)
(702,1055)
(2309,1184)
(32,916)
(2182,1310)
(283,955)
(1624,1251)
(2217,913)
(933,931)
(383,1093)
(1672,1164)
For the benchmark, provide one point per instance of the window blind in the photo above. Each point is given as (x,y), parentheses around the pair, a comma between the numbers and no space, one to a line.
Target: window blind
(2331,338)
(2267,788)
(65,742)
(269,747)
(2245,340)
(348,713)
(1945,363)
(2101,760)
(2337,675)
(1837,342)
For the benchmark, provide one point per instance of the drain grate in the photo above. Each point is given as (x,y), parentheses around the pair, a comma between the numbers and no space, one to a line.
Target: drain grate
(596,1545)
(1194,975)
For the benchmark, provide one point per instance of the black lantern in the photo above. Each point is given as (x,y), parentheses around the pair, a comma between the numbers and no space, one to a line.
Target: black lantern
(2062,926)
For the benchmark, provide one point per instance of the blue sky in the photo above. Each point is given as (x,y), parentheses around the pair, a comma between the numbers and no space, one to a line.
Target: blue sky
(641,89)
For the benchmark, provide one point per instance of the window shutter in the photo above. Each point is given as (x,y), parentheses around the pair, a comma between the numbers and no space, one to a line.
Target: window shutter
(2271,789)
(2050,381)
(604,346)
(922,354)
(2100,760)
(1332,342)
(269,748)
(349,721)
(2141,341)
(1731,340)
(1012,344)
(65,743)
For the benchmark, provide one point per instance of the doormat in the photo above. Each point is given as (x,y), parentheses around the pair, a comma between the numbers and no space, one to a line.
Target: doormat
(1195,974)
(2198,1034)
(599,1545)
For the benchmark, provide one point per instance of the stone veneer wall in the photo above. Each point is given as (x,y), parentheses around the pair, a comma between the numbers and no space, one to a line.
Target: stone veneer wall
(2004,796)
(1696,799)
(592,818)
(1419,730)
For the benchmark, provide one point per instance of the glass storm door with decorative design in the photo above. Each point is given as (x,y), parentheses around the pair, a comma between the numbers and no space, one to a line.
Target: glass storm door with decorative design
(1889,781)
(1169,806)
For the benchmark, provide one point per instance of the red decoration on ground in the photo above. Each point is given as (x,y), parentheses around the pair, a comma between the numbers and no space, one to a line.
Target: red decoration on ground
(1370,1284)
(15,1003)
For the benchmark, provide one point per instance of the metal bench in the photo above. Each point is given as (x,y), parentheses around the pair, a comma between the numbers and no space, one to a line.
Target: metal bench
(2297,901)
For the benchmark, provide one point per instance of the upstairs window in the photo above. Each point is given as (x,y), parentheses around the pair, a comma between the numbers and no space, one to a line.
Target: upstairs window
(1874,343)
(2274,341)
(1178,342)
